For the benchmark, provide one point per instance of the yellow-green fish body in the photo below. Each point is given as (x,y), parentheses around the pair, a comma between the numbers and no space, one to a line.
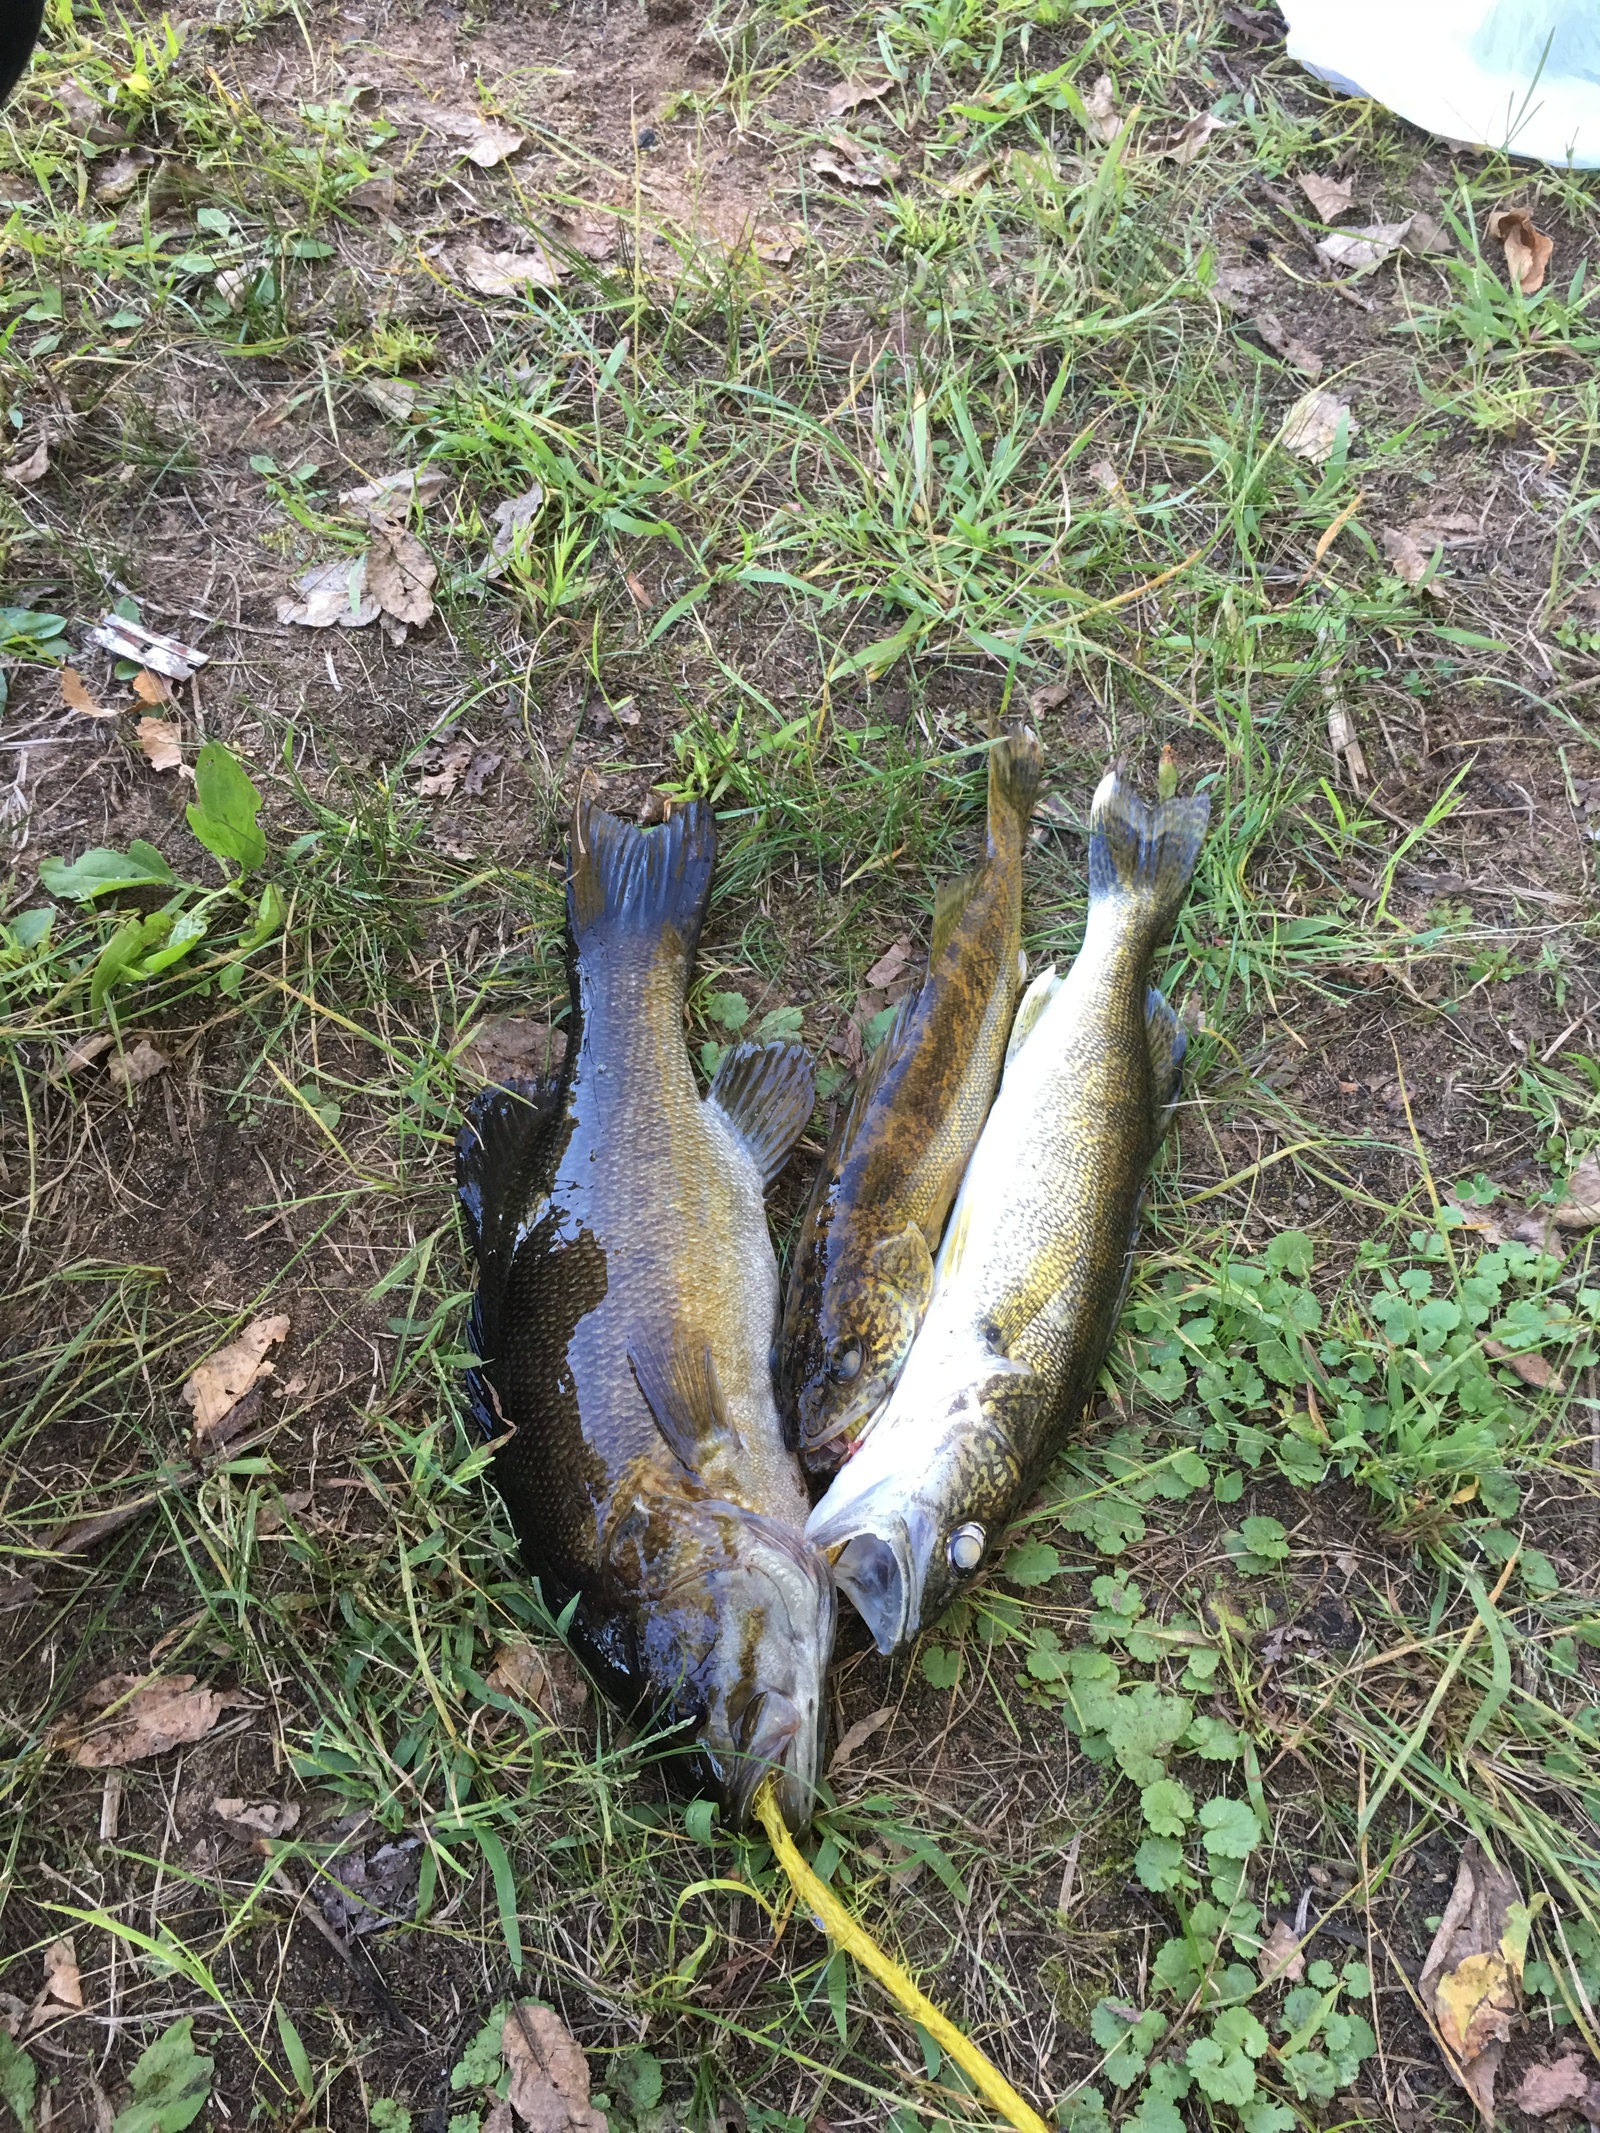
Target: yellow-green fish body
(1031,1276)
(863,1271)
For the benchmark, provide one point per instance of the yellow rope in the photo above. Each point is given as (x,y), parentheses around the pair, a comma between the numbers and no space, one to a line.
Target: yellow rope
(843,1931)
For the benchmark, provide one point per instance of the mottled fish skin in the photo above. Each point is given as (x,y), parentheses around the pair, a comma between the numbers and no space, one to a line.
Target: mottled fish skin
(627,1298)
(863,1268)
(1034,1266)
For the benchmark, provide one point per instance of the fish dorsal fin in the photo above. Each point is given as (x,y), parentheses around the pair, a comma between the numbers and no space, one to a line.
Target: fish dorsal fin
(1031,1006)
(766,1093)
(495,1148)
(1168,1043)
(950,902)
(880,1060)
(678,1377)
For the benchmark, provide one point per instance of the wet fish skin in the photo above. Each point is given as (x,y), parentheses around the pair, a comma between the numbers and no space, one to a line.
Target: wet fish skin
(627,1295)
(863,1271)
(1034,1266)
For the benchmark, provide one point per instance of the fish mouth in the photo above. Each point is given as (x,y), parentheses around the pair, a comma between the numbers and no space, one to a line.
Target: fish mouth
(879,1566)
(775,1739)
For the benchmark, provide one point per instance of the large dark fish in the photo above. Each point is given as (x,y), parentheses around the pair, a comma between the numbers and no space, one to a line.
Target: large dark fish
(627,1299)
(1034,1265)
(863,1271)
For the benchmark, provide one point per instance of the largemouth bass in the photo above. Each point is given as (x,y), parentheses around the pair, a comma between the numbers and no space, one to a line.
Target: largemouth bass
(863,1271)
(1034,1267)
(627,1297)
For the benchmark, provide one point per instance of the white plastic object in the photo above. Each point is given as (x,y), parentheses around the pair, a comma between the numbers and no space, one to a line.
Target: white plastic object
(1522,75)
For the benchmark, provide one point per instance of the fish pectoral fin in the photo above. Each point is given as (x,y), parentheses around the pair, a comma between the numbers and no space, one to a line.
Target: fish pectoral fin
(1168,1043)
(678,1377)
(1031,1006)
(904,1263)
(950,902)
(766,1093)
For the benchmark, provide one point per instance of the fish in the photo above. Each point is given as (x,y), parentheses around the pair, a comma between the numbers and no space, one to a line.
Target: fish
(624,1316)
(1035,1264)
(863,1264)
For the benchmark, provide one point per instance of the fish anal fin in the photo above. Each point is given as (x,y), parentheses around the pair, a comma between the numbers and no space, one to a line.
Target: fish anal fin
(1168,1044)
(765,1092)
(950,902)
(678,1377)
(1046,984)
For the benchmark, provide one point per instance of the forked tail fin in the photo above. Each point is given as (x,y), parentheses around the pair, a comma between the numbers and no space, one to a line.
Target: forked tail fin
(1143,858)
(628,885)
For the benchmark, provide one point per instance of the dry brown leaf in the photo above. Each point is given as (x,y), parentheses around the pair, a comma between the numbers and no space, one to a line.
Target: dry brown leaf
(1282,342)
(442,768)
(75,695)
(500,2119)
(24,472)
(1329,196)
(1528,251)
(1531,1368)
(1311,425)
(62,1980)
(268,1818)
(86,1051)
(398,398)
(162,745)
(1471,1982)
(1359,251)
(331,593)
(379,195)
(504,273)
(118,177)
(480,770)
(850,95)
(151,1714)
(865,168)
(1579,1206)
(413,485)
(511,520)
(519,1671)
(1425,238)
(399,575)
(1560,2085)
(1281,1959)
(641,594)
(483,141)
(1105,122)
(889,965)
(151,688)
(549,2074)
(1183,149)
(625,711)
(857,1736)
(216,1386)
(129,1069)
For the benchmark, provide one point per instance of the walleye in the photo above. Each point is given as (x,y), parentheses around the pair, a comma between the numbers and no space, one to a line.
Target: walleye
(863,1271)
(1034,1267)
(626,1302)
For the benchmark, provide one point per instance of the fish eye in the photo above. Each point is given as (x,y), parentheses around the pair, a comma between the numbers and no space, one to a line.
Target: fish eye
(847,1363)
(966,1549)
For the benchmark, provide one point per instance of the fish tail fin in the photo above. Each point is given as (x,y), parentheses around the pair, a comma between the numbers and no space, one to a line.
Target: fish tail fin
(1016,766)
(1168,1044)
(1144,857)
(626,884)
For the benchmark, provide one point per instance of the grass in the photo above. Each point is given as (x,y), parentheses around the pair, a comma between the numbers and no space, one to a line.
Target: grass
(1311,1599)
